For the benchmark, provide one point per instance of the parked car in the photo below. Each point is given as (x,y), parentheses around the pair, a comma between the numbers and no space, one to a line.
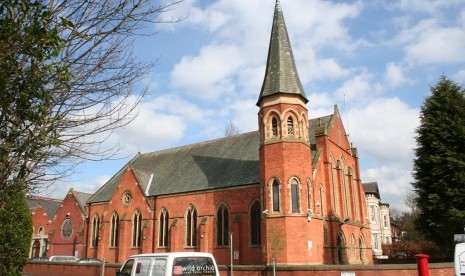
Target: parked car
(90,260)
(63,259)
(38,259)
(169,264)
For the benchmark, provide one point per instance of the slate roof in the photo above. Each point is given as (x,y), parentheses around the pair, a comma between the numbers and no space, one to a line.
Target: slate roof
(281,74)
(50,205)
(81,199)
(371,188)
(220,163)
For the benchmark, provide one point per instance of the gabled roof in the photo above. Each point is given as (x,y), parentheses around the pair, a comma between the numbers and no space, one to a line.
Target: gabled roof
(50,205)
(281,74)
(371,188)
(81,199)
(143,178)
(220,163)
(105,192)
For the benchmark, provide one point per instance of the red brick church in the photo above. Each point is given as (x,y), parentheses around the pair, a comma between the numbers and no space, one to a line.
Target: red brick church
(290,192)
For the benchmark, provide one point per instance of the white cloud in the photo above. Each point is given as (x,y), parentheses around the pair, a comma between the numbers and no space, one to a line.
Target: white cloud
(321,22)
(310,67)
(245,115)
(459,76)
(462,18)
(182,11)
(149,131)
(430,43)
(394,75)
(393,183)
(384,131)
(172,104)
(59,190)
(357,88)
(209,75)
(438,45)
(428,6)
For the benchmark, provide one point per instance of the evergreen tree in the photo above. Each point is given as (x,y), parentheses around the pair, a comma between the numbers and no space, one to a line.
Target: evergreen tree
(15,230)
(439,166)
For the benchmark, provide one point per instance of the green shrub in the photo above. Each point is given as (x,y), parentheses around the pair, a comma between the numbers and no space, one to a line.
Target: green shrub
(15,231)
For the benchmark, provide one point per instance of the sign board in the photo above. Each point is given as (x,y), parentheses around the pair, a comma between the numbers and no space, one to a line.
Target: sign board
(347,273)
(236,255)
(459,237)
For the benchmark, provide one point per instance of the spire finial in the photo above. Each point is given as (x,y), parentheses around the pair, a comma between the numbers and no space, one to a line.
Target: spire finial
(281,73)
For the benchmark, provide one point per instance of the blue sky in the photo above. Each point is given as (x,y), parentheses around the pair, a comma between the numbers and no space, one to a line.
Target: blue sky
(375,59)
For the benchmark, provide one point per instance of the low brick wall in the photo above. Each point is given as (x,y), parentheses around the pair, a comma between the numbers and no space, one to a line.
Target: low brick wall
(68,269)
(435,269)
(76,269)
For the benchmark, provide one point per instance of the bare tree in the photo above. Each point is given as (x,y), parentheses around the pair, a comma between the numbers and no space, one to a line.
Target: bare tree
(231,130)
(89,88)
(411,202)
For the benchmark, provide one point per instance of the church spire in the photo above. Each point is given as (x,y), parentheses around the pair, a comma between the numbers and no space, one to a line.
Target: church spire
(281,73)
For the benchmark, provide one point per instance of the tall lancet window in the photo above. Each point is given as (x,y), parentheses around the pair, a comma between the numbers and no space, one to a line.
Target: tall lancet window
(276,196)
(255,231)
(290,126)
(137,229)
(114,230)
(274,127)
(95,231)
(163,228)
(295,196)
(222,226)
(191,227)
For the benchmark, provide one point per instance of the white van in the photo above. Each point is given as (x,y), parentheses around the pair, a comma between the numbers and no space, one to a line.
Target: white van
(168,264)
(459,259)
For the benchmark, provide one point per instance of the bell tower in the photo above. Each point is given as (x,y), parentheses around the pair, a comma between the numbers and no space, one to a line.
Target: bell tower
(285,154)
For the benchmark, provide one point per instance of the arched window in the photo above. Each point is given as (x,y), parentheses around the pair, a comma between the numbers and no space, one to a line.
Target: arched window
(276,197)
(137,229)
(35,249)
(355,197)
(191,227)
(322,201)
(163,229)
(95,230)
(222,226)
(114,230)
(290,126)
(334,184)
(341,249)
(309,196)
(67,228)
(255,229)
(274,127)
(346,198)
(295,196)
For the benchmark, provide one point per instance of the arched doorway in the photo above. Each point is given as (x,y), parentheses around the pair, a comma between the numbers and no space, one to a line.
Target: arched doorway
(35,249)
(341,249)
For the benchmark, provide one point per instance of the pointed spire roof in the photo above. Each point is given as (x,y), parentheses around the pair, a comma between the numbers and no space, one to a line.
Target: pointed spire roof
(281,73)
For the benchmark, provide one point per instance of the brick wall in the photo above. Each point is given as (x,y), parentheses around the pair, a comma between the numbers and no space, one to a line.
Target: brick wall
(69,209)
(439,269)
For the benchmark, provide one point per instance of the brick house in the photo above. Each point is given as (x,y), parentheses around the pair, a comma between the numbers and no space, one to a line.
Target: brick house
(68,232)
(42,211)
(289,192)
